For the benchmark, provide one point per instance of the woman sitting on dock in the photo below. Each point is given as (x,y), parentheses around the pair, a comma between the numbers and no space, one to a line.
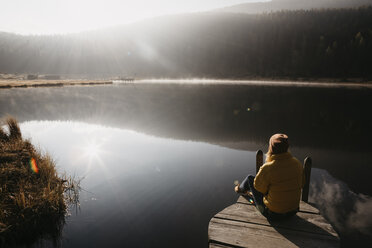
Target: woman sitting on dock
(276,189)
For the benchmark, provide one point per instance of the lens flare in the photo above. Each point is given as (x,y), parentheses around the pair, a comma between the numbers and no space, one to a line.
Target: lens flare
(33,165)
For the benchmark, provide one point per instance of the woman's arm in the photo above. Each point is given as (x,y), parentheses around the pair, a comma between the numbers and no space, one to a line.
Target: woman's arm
(261,182)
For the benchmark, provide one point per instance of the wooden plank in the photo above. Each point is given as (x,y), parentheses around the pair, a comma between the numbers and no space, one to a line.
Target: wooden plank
(253,235)
(220,245)
(305,222)
(307,171)
(259,160)
(304,207)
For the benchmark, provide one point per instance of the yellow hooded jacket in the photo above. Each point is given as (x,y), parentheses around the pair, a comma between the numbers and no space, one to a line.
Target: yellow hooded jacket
(280,179)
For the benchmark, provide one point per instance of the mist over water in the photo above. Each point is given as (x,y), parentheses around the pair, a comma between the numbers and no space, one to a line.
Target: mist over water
(159,160)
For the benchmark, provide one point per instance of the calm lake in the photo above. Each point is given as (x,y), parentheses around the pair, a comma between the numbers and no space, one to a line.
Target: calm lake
(157,161)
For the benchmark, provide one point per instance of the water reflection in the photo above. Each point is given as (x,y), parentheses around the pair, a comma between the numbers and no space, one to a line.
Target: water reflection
(330,125)
(137,185)
(349,213)
(319,121)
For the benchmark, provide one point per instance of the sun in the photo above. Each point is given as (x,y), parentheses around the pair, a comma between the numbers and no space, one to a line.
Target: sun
(72,16)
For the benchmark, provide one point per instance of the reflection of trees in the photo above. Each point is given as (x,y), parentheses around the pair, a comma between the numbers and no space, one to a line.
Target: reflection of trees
(48,229)
(331,118)
(313,43)
(317,120)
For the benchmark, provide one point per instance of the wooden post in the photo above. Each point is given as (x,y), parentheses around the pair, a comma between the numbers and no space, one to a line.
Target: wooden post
(307,171)
(259,160)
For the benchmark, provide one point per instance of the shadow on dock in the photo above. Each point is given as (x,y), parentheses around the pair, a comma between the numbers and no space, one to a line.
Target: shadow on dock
(297,227)
(242,225)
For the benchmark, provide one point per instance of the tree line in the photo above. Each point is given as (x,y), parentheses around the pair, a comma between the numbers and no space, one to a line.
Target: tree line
(303,43)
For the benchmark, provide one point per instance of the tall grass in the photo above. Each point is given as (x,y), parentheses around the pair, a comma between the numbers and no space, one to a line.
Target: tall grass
(33,197)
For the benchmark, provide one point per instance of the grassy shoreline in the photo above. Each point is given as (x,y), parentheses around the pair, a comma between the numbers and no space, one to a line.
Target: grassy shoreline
(326,82)
(33,197)
(11,83)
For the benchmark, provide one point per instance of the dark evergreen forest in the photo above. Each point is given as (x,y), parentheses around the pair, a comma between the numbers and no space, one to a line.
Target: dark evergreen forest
(278,5)
(330,43)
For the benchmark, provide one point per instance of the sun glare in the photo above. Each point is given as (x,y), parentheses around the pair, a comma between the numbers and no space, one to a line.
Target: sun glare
(91,154)
(70,16)
(92,150)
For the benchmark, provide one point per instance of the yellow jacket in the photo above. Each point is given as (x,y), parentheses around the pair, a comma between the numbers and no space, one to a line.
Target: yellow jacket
(280,179)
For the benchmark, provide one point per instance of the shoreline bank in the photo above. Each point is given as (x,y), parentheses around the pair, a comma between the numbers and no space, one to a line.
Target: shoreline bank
(10,83)
(7,83)
(34,197)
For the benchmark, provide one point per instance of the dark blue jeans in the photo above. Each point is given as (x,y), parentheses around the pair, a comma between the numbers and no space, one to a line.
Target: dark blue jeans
(247,184)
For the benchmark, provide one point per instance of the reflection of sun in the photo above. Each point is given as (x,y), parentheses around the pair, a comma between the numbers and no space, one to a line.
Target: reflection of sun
(91,150)
(90,153)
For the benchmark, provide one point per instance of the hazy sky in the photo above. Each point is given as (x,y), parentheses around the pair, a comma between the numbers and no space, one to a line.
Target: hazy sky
(65,16)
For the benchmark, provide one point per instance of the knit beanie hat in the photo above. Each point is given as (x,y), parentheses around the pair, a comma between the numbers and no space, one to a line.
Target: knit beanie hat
(278,143)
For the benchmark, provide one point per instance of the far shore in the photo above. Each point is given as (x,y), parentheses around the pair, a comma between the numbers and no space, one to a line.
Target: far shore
(328,83)
(11,83)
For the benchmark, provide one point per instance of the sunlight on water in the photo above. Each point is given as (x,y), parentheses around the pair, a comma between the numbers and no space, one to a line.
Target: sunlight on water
(132,181)
(93,151)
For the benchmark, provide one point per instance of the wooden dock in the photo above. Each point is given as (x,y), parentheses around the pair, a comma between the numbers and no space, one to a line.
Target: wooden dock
(242,225)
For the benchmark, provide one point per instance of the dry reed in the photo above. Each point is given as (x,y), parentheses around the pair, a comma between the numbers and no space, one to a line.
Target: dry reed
(33,198)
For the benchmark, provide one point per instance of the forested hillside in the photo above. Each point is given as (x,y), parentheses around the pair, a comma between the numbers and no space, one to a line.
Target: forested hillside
(304,43)
(278,5)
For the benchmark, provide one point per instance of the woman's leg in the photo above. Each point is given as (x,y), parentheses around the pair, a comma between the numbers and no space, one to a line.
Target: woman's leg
(248,184)
(244,186)
(257,196)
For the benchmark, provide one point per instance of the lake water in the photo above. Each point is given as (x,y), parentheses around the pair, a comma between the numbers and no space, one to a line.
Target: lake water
(159,160)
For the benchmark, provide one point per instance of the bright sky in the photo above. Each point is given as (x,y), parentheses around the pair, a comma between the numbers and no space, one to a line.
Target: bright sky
(66,16)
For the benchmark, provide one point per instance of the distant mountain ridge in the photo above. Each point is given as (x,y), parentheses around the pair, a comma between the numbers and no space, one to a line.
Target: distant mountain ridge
(278,5)
(333,43)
